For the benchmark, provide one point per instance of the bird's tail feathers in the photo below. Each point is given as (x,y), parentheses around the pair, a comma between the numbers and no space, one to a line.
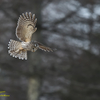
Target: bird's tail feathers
(15,51)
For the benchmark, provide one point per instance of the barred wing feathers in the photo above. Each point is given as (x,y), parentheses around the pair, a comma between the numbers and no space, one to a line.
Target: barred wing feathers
(26,26)
(44,48)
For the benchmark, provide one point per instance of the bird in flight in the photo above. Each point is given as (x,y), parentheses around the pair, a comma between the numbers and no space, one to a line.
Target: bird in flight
(25,28)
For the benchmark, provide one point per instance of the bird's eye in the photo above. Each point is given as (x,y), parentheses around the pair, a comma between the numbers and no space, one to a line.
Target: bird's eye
(35,45)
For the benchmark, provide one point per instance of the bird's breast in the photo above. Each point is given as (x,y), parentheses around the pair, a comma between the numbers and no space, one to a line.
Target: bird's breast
(26,45)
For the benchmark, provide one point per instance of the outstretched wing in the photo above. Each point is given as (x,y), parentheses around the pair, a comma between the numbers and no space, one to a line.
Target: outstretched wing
(42,47)
(26,27)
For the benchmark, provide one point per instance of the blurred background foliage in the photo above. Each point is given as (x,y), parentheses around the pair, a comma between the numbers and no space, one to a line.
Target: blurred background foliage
(72,72)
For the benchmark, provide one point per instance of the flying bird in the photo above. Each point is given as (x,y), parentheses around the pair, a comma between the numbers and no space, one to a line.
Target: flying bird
(26,26)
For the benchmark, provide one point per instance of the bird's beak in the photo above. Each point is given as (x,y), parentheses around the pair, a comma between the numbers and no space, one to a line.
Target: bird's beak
(34,49)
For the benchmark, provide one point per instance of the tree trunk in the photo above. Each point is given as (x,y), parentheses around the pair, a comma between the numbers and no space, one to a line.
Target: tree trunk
(34,82)
(33,89)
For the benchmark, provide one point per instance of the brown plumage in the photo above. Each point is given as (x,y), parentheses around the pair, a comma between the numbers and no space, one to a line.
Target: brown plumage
(25,28)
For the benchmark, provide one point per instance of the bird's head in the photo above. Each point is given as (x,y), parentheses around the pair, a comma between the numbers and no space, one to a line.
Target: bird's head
(34,46)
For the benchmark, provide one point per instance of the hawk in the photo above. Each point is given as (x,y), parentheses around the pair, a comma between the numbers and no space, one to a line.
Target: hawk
(25,28)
